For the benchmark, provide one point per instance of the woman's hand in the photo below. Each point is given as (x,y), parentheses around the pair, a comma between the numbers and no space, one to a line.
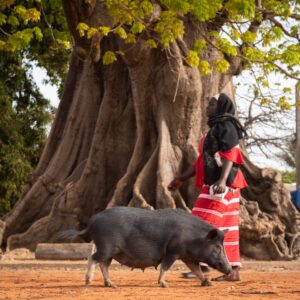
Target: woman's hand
(175,184)
(220,186)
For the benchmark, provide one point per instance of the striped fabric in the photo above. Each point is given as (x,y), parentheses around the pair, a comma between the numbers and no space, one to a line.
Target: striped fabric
(223,214)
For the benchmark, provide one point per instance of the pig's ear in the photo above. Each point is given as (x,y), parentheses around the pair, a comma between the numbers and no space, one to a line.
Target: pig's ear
(225,231)
(213,234)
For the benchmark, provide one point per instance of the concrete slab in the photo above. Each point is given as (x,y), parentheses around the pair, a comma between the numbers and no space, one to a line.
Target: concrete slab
(69,251)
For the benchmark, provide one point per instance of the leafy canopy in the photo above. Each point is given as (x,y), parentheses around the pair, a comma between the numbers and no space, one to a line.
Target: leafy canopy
(260,33)
(25,37)
(25,114)
(37,29)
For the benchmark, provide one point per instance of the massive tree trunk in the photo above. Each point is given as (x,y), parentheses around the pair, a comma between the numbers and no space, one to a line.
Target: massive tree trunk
(124,131)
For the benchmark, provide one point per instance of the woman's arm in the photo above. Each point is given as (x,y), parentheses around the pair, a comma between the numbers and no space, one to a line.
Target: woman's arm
(220,185)
(177,182)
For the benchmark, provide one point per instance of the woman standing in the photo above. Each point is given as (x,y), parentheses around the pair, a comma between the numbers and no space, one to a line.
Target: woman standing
(219,177)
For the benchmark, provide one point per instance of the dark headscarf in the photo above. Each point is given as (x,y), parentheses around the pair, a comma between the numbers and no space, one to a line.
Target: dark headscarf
(226,112)
(224,134)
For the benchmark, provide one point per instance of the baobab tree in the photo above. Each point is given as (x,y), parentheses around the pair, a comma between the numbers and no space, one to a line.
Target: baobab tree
(132,113)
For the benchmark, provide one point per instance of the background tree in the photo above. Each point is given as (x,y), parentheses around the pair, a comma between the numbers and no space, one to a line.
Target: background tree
(25,113)
(268,119)
(132,111)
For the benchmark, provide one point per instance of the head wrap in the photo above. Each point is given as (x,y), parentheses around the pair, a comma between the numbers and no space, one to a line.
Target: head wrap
(226,112)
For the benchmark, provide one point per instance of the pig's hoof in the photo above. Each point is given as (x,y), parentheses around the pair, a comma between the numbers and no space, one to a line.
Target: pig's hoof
(110,284)
(206,282)
(88,280)
(163,284)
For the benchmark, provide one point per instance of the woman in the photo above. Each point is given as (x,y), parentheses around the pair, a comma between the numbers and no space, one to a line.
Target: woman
(219,177)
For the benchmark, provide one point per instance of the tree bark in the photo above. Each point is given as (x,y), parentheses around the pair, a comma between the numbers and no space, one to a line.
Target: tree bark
(297,87)
(124,131)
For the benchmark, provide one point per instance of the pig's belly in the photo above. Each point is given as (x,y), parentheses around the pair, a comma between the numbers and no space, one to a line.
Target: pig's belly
(133,262)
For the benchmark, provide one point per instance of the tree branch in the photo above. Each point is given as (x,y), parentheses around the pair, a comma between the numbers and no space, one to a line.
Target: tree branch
(268,12)
(48,25)
(285,72)
(4,32)
(295,16)
(278,24)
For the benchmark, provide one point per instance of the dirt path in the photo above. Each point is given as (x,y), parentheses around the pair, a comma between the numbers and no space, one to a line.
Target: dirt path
(65,281)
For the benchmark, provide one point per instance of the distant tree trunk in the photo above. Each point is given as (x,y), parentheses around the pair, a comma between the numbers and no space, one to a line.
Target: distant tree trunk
(121,134)
(297,150)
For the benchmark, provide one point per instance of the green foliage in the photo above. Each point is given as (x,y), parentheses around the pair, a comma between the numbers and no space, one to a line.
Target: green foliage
(264,101)
(25,113)
(203,10)
(27,15)
(193,59)
(253,53)
(221,65)
(105,30)
(137,27)
(281,7)
(82,28)
(200,45)
(132,23)
(131,39)
(204,67)
(19,38)
(248,37)
(151,43)
(120,31)
(235,35)
(289,176)
(283,103)
(109,57)
(239,8)
(37,29)
(170,28)
(25,37)
(291,55)
(89,32)
(225,47)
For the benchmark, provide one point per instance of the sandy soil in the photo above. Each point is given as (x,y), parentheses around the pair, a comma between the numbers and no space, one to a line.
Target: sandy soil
(65,281)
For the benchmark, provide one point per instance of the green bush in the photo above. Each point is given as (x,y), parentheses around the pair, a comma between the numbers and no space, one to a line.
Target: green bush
(289,176)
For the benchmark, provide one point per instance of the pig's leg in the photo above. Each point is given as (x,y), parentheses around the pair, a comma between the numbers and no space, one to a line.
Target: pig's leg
(195,268)
(104,269)
(166,263)
(90,271)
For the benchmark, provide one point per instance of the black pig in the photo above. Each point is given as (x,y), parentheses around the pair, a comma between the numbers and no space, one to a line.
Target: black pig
(141,238)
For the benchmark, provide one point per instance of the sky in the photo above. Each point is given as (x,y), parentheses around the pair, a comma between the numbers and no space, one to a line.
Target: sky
(50,92)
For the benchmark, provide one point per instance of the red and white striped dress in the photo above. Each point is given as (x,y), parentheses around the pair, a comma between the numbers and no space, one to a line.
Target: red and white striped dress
(224,213)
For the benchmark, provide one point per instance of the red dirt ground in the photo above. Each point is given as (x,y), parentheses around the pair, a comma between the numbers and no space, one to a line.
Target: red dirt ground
(65,281)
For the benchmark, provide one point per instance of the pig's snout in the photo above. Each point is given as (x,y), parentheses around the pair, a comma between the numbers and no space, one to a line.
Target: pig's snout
(224,268)
(229,270)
